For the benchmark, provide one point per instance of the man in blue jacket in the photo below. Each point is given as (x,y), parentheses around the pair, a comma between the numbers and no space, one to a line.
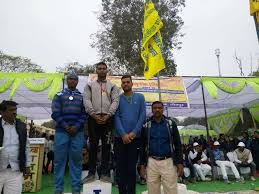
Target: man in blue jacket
(161,152)
(129,118)
(69,113)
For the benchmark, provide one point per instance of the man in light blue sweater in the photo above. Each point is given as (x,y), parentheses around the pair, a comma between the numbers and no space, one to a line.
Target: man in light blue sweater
(129,119)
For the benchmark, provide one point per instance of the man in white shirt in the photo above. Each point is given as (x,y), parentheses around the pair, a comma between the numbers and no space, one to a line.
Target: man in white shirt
(15,157)
(243,158)
(198,159)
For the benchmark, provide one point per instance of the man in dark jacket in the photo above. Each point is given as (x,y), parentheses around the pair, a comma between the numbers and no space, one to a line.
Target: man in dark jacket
(162,150)
(255,149)
(15,157)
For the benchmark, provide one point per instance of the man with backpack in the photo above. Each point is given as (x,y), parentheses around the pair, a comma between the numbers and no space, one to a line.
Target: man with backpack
(161,152)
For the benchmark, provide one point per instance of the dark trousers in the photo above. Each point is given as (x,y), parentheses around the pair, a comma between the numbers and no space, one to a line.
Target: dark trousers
(126,159)
(50,156)
(97,132)
(251,166)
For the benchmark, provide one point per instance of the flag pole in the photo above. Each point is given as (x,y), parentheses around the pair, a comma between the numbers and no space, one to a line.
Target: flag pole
(159,87)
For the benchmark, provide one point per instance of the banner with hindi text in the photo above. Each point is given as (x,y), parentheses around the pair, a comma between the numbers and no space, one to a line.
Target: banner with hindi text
(172,89)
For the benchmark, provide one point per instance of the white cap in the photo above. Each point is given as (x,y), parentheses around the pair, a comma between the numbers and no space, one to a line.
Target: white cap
(216,143)
(195,144)
(241,144)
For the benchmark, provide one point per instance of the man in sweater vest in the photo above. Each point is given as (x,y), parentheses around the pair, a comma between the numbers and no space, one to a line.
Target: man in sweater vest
(198,159)
(15,159)
(243,158)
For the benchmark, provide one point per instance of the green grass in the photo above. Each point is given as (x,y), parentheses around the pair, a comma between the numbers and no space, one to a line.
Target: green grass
(214,186)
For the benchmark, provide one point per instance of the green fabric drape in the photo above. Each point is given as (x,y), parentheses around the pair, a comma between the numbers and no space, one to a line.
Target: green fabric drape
(228,85)
(224,122)
(254,111)
(43,81)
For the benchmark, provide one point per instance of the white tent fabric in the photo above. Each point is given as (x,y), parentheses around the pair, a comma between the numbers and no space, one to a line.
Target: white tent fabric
(35,105)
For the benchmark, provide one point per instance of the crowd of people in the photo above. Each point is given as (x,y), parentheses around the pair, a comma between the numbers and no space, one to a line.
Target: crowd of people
(150,147)
(203,156)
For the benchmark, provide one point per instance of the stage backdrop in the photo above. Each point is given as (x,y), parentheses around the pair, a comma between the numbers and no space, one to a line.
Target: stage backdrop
(172,89)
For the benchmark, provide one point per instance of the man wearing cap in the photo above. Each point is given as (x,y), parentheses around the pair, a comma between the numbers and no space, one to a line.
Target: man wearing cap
(243,158)
(69,113)
(220,160)
(198,159)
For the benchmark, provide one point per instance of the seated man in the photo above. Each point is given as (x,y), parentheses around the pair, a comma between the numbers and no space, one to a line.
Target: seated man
(198,159)
(220,160)
(243,158)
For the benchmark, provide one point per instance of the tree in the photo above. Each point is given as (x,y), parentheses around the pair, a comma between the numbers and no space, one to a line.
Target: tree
(119,41)
(10,63)
(49,124)
(78,68)
(256,73)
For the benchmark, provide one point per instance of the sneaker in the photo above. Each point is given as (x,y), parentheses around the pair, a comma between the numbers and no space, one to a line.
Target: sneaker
(106,179)
(226,181)
(207,179)
(142,181)
(240,180)
(253,178)
(89,178)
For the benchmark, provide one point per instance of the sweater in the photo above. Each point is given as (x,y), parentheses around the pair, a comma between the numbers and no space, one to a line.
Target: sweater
(130,116)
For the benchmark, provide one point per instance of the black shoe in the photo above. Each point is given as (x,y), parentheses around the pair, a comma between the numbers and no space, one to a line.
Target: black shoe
(142,181)
(89,178)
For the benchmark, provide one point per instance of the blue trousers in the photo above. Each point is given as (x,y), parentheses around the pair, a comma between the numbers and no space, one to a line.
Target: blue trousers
(66,146)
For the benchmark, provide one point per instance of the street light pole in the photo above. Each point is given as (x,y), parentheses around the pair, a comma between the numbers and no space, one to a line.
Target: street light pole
(217,53)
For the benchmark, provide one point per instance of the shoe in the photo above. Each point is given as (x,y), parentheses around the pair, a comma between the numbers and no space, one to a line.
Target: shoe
(193,180)
(207,179)
(75,192)
(253,178)
(89,178)
(226,181)
(106,179)
(240,180)
(142,181)
(57,192)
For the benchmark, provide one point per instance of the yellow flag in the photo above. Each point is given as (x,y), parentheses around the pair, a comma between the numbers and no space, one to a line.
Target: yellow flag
(254,6)
(152,41)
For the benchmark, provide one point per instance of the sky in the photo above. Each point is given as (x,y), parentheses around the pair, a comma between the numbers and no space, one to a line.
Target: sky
(55,32)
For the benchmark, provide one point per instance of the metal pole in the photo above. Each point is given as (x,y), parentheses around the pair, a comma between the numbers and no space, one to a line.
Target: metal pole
(219,66)
(256,26)
(205,111)
(217,53)
(159,87)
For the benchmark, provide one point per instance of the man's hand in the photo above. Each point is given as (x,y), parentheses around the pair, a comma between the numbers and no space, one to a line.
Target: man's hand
(142,172)
(132,136)
(126,139)
(27,172)
(199,162)
(97,118)
(105,118)
(179,170)
(71,130)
